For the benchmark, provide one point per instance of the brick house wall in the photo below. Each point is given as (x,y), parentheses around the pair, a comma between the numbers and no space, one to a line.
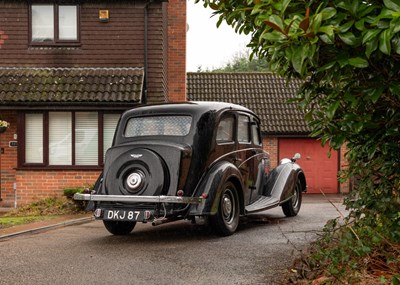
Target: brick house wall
(39,184)
(116,43)
(19,187)
(8,157)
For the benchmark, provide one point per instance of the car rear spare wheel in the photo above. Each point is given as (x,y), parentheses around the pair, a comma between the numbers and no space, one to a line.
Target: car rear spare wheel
(226,221)
(119,228)
(292,207)
(136,172)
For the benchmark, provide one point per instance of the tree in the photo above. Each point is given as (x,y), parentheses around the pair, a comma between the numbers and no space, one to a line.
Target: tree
(241,62)
(348,54)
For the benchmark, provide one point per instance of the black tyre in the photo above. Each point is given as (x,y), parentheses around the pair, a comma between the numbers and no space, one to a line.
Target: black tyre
(292,207)
(226,221)
(119,228)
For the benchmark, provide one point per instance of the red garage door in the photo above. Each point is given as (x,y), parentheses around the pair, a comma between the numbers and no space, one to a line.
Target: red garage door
(321,171)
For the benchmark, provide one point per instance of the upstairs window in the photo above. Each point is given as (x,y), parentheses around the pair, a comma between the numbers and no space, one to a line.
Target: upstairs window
(53,24)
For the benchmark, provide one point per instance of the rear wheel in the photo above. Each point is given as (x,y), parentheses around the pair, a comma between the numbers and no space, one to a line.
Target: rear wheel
(226,221)
(119,228)
(292,207)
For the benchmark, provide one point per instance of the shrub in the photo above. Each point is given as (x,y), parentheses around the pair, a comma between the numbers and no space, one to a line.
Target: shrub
(70,192)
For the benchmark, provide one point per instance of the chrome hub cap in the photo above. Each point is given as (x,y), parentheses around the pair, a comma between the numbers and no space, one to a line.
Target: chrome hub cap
(227,208)
(135,181)
(295,198)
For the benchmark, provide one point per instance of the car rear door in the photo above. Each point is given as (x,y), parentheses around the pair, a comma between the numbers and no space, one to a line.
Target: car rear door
(249,155)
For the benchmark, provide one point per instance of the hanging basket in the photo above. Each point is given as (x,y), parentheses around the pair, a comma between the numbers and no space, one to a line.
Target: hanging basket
(2,129)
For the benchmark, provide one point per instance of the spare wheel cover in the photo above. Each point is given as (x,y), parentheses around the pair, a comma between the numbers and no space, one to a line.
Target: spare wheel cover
(137,172)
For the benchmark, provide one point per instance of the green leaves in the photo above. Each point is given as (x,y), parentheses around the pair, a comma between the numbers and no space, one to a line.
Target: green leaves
(348,55)
(331,110)
(328,13)
(358,62)
(349,39)
(276,23)
(298,56)
(393,5)
(384,42)
(370,34)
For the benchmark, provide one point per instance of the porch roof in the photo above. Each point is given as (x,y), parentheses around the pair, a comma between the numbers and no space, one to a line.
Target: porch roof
(33,87)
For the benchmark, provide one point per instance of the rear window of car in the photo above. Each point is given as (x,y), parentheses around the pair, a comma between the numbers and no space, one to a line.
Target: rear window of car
(169,125)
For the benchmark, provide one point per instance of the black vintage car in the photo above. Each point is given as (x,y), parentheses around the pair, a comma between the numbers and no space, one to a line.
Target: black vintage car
(186,160)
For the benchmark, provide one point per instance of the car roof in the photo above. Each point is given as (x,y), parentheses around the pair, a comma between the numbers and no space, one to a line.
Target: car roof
(190,107)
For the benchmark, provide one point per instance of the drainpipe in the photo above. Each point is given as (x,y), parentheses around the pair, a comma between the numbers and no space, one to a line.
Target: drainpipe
(146,53)
(15,194)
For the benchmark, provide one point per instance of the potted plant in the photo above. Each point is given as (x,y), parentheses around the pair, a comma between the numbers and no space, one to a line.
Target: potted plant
(3,126)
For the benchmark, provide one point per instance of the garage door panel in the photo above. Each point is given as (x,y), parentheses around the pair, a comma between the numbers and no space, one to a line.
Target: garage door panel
(320,169)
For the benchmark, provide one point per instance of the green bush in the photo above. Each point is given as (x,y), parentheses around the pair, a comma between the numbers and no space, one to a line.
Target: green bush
(69,192)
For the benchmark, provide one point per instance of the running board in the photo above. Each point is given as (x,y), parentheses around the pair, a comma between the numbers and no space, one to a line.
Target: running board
(263,203)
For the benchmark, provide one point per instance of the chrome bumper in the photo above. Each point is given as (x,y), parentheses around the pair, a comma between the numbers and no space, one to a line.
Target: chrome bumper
(138,199)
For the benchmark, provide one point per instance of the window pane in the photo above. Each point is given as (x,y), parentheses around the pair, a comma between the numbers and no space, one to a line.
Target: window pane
(256,133)
(243,129)
(42,23)
(34,138)
(158,126)
(225,130)
(86,138)
(60,138)
(67,23)
(109,126)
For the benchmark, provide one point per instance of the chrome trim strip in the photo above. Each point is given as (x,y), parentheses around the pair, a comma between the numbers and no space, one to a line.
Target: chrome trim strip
(251,157)
(240,150)
(143,199)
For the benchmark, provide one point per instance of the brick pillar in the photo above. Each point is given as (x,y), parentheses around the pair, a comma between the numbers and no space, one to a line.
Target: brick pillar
(270,145)
(177,50)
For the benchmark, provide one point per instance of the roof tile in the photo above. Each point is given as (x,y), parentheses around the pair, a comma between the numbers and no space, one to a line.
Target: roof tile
(264,93)
(63,85)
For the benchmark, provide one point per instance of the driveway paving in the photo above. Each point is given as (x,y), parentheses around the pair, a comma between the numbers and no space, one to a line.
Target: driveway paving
(260,251)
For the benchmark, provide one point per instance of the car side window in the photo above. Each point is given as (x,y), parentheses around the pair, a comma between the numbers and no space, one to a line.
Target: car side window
(243,129)
(225,129)
(255,130)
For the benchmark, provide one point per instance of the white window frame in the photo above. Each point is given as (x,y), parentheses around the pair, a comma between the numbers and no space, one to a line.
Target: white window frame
(66,136)
(58,27)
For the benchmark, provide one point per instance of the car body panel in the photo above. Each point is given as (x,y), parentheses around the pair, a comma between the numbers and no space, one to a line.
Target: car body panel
(173,160)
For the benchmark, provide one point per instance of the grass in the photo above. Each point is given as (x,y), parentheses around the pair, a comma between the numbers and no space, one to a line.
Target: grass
(6,222)
(41,210)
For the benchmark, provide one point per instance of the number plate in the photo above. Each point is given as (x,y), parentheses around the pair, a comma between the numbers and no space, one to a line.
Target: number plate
(123,215)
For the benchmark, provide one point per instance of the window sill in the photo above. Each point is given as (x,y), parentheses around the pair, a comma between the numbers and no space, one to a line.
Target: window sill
(59,167)
(54,46)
